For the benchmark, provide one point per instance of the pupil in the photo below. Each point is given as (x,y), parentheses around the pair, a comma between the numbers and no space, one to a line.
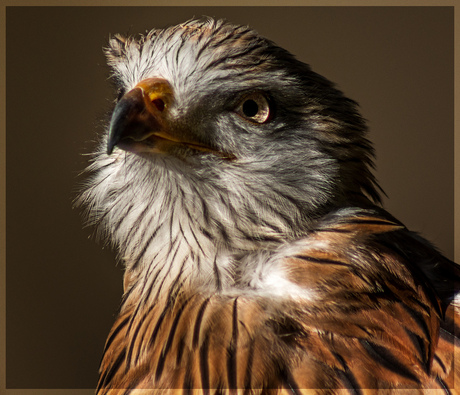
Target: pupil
(250,108)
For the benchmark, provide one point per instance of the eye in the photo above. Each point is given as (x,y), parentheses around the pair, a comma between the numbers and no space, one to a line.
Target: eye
(254,108)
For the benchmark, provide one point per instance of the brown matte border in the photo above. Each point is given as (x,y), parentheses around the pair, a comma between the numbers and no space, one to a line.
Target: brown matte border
(6,3)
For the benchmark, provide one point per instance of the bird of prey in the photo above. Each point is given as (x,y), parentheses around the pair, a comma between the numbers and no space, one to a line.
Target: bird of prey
(237,186)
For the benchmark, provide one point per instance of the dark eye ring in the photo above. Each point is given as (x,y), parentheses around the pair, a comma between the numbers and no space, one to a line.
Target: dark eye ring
(255,108)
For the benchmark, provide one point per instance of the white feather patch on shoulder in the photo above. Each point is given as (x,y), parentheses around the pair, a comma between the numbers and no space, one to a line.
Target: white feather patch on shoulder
(266,274)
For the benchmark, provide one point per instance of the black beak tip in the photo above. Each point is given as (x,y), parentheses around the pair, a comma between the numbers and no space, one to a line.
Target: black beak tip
(110,147)
(113,138)
(118,124)
(128,120)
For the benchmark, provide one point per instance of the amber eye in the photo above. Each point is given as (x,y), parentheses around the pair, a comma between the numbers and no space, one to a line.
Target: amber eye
(255,108)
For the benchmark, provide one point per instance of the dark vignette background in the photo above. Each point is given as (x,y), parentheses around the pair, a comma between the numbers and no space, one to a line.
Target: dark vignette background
(63,289)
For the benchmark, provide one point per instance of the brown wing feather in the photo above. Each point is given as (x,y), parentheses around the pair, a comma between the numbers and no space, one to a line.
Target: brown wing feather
(370,324)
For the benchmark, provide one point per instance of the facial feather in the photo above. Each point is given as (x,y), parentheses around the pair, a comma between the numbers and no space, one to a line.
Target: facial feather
(312,155)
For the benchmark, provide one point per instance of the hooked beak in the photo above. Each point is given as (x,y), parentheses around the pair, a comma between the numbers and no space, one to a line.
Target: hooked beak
(141,122)
(139,116)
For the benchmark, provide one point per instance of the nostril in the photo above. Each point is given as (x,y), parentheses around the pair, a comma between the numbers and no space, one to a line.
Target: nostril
(159,104)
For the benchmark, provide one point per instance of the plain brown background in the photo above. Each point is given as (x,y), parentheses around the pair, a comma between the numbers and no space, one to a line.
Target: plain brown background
(63,288)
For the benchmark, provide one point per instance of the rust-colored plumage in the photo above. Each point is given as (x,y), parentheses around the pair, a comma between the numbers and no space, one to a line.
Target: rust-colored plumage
(237,188)
(372,324)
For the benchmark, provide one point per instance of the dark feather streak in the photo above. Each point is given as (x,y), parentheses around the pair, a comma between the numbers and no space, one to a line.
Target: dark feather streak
(321,260)
(386,359)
